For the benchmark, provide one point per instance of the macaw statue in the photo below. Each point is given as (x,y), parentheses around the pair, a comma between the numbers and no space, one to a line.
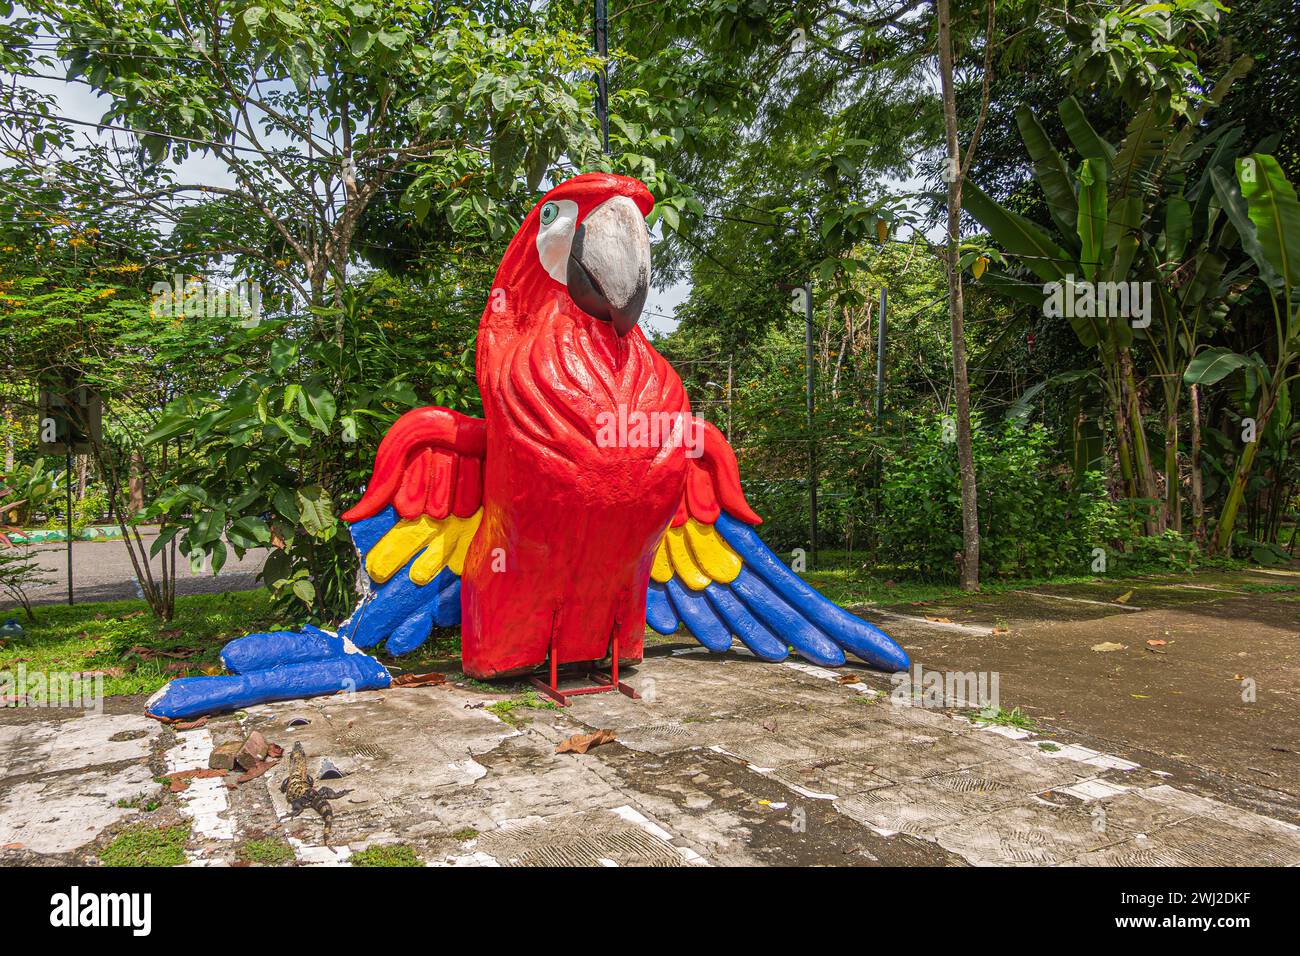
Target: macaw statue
(587,503)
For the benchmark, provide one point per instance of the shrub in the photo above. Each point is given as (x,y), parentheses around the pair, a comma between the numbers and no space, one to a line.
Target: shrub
(1034,518)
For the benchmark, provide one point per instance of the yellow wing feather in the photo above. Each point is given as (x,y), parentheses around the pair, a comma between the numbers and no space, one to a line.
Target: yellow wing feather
(440,542)
(697,554)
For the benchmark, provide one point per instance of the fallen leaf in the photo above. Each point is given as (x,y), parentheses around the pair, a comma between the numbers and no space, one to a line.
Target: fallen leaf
(1106,646)
(1140,696)
(11,846)
(127,617)
(581,743)
(274,751)
(191,724)
(1001,630)
(430,679)
(848,679)
(939,620)
(213,670)
(1156,643)
(1123,598)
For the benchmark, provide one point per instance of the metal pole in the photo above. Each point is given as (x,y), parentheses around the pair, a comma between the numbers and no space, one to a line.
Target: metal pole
(602,76)
(68,478)
(812,445)
(880,357)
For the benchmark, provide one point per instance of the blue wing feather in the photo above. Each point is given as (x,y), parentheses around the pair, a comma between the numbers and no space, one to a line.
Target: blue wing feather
(699,617)
(768,606)
(659,612)
(848,631)
(752,632)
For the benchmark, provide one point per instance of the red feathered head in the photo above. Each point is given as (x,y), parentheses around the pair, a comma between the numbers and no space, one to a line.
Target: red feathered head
(585,243)
(558,347)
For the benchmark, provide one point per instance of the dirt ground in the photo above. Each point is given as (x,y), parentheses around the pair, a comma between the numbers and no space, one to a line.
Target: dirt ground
(1221,692)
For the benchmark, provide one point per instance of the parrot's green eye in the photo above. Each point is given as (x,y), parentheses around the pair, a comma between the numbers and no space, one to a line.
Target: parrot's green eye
(549,212)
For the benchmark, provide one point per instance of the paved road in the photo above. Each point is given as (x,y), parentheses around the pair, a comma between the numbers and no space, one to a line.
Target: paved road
(102,571)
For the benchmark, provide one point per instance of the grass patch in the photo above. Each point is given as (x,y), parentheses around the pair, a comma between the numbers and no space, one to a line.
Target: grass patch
(144,802)
(103,636)
(1047,745)
(390,854)
(528,700)
(271,851)
(996,716)
(143,845)
(466,833)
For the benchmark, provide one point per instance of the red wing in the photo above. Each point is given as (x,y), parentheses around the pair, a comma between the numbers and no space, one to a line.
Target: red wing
(430,462)
(713,482)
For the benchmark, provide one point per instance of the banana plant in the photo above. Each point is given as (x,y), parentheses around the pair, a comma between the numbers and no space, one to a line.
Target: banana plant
(1261,205)
(1121,216)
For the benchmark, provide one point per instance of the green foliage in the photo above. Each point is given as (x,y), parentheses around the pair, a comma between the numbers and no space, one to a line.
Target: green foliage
(86,510)
(271,851)
(528,700)
(285,441)
(144,845)
(137,653)
(387,854)
(1032,520)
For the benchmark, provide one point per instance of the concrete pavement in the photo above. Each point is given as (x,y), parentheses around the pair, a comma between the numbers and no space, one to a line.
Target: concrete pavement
(725,761)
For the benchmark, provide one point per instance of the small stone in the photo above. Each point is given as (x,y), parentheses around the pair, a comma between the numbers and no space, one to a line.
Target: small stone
(223,755)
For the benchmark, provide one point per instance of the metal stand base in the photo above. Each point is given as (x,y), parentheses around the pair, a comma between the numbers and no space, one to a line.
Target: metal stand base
(603,682)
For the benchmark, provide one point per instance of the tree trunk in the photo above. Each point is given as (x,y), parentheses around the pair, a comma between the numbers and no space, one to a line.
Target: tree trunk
(1173,486)
(970,522)
(1241,474)
(135,483)
(1145,474)
(1198,494)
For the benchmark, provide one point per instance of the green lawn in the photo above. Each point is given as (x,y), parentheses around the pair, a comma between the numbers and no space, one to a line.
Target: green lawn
(121,638)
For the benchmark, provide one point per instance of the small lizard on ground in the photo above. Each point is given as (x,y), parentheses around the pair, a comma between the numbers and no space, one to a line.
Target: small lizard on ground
(301,791)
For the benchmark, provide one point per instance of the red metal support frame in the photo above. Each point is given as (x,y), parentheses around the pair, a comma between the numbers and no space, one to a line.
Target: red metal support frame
(604,682)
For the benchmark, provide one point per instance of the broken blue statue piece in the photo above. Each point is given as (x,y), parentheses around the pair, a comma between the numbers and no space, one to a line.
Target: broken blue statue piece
(282,665)
(310,662)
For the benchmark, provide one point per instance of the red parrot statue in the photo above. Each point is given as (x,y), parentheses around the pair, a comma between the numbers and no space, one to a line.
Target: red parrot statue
(586,503)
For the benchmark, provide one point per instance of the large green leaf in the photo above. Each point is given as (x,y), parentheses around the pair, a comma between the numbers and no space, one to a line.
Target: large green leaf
(1018,235)
(1085,139)
(1276,215)
(317,511)
(1140,152)
(1050,170)
(1214,365)
(1237,210)
(1092,216)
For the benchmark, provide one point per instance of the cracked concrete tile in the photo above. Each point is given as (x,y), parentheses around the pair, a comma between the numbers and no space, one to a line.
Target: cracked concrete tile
(61,813)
